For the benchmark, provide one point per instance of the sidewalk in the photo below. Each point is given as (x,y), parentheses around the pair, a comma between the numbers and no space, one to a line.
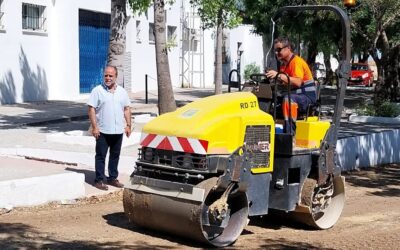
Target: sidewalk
(42,113)
(46,156)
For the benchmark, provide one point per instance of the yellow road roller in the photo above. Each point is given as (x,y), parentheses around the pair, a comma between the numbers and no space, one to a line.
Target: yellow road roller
(208,168)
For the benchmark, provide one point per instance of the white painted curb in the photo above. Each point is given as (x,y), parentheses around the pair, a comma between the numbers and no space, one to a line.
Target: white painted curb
(126,163)
(39,190)
(374,119)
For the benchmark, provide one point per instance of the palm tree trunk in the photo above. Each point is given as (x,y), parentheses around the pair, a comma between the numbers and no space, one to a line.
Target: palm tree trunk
(166,100)
(116,49)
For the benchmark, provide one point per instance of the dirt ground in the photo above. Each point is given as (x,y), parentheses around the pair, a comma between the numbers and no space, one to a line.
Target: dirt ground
(370,220)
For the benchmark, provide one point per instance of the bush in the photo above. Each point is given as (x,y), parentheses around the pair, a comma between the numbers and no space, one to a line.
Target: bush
(386,109)
(250,69)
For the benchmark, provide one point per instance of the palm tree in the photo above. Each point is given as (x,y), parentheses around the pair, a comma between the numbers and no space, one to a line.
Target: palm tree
(116,49)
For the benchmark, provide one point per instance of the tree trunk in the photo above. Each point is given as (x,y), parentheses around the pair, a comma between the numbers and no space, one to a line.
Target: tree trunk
(381,92)
(392,74)
(383,86)
(364,57)
(329,74)
(116,49)
(166,100)
(218,61)
(312,52)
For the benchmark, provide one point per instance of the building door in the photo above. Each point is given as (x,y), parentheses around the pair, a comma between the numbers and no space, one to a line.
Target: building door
(94,30)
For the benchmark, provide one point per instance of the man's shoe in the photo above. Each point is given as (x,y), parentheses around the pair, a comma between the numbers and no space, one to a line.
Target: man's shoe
(115,183)
(101,185)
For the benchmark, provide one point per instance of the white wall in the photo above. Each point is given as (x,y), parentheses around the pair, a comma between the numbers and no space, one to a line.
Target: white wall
(143,53)
(42,65)
(45,65)
(24,62)
(251,46)
(64,34)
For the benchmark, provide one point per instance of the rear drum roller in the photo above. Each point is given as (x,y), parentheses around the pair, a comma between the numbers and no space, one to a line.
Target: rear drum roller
(321,206)
(191,219)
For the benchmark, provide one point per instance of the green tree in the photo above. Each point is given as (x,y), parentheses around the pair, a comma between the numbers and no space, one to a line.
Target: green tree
(259,14)
(218,14)
(250,69)
(166,99)
(301,28)
(375,24)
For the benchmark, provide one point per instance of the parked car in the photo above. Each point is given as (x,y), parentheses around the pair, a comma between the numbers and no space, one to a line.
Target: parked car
(361,74)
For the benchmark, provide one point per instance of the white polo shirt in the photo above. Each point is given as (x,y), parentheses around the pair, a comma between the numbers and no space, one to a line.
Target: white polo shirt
(109,108)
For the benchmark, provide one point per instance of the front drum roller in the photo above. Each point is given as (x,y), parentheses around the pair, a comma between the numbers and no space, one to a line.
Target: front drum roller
(187,218)
(321,206)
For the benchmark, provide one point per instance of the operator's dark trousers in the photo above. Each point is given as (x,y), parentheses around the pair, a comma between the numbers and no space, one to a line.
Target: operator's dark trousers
(299,104)
(103,143)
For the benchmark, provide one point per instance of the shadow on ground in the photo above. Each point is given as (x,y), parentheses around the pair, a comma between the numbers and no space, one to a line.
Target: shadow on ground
(353,98)
(383,180)
(89,174)
(121,221)
(282,243)
(40,113)
(21,236)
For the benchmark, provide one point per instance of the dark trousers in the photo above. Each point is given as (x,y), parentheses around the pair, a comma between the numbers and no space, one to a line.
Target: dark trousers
(299,105)
(103,143)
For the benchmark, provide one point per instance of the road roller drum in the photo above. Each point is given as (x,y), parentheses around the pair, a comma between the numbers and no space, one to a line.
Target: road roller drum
(188,218)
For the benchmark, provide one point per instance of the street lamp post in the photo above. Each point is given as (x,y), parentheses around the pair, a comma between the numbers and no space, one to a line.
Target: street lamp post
(239,55)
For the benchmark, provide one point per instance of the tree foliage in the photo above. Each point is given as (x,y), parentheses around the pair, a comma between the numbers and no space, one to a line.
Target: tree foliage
(218,14)
(215,12)
(139,6)
(376,24)
(315,31)
(250,69)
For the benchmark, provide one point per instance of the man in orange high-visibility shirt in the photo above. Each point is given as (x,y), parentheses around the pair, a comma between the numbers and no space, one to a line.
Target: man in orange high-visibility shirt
(303,91)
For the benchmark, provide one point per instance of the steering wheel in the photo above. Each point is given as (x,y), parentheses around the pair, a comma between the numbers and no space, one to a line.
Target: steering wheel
(259,78)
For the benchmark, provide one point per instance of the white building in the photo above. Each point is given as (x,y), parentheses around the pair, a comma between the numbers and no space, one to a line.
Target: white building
(55,49)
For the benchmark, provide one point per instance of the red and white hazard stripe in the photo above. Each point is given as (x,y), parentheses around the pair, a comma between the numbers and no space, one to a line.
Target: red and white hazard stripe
(180,144)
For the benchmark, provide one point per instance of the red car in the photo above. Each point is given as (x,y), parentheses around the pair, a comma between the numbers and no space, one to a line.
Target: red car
(361,74)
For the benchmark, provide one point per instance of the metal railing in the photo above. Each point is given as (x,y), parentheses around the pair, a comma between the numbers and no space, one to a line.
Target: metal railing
(1,16)
(146,86)
(33,17)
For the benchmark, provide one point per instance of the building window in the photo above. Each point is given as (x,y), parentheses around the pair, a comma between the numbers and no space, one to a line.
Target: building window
(33,17)
(152,38)
(1,14)
(138,32)
(171,36)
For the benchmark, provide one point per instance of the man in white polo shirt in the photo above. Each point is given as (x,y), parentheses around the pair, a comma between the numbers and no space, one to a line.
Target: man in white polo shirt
(110,117)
